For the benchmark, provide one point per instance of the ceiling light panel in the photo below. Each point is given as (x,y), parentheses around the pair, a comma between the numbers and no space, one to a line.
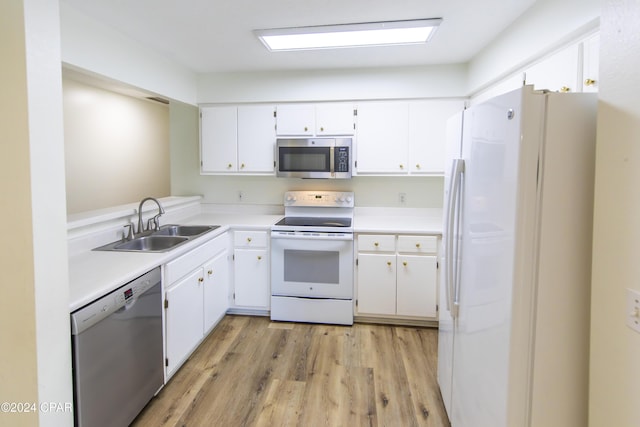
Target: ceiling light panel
(349,35)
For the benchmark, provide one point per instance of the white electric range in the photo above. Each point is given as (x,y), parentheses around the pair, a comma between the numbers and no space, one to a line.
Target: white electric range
(312,258)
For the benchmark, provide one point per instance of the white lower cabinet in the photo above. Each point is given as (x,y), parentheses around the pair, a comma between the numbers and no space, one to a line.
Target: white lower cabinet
(196,298)
(416,285)
(377,283)
(216,290)
(251,269)
(397,276)
(184,319)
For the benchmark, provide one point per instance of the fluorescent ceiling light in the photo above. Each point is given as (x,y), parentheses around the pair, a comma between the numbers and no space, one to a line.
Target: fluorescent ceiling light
(349,35)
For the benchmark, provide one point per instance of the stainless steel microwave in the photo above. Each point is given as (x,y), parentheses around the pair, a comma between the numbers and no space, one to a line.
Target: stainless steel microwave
(313,158)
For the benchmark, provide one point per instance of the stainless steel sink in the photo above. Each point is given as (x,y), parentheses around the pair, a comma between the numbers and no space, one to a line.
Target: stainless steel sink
(184,230)
(150,243)
(162,240)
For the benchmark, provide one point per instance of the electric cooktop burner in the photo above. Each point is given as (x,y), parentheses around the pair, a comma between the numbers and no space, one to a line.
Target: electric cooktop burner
(296,221)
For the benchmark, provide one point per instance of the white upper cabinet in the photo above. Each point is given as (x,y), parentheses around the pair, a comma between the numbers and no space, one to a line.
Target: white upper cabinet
(327,119)
(335,119)
(295,120)
(218,139)
(391,137)
(591,60)
(557,73)
(383,137)
(428,134)
(256,138)
(403,137)
(237,139)
(572,69)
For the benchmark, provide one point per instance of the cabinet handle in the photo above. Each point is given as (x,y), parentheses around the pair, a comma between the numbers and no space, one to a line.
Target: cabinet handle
(418,245)
(259,257)
(242,166)
(321,129)
(210,272)
(249,239)
(401,166)
(404,263)
(565,89)
(418,166)
(200,279)
(306,128)
(589,82)
(389,263)
(376,244)
(229,166)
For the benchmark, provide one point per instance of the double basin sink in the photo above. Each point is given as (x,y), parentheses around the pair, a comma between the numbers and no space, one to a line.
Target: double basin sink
(161,240)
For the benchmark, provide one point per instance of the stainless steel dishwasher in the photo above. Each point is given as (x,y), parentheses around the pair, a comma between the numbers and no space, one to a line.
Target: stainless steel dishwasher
(117,353)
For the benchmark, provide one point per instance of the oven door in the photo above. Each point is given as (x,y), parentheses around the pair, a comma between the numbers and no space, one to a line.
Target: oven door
(312,265)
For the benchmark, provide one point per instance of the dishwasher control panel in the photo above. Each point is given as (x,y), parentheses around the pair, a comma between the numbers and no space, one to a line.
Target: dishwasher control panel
(99,309)
(129,292)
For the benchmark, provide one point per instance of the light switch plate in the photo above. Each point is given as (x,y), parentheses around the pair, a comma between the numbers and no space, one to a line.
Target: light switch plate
(633,309)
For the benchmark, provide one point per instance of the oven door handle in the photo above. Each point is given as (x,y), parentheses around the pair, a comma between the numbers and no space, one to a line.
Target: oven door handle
(310,236)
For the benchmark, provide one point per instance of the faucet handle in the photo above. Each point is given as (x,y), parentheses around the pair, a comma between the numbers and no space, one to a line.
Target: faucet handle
(128,234)
(154,223)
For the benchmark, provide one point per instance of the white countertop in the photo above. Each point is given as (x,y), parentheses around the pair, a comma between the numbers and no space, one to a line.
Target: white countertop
(93,274)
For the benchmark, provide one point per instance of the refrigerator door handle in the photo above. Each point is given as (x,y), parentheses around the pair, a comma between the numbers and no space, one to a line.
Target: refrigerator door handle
(453,224)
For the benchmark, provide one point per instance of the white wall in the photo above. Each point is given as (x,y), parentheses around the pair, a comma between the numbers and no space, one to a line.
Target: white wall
(545,27)
(18,368)
(324,85)
(615,348)
(90,45)
(35,365)
(116,147)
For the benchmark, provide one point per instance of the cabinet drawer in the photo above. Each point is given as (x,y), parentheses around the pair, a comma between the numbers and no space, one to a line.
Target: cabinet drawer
(174,270)
(250,239)
(377,243)
(418,244)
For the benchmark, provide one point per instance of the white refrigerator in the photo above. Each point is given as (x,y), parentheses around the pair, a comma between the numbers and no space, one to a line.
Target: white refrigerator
(513,346)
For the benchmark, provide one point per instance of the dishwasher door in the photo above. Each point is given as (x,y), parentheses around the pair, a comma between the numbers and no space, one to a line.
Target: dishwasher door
(117,353)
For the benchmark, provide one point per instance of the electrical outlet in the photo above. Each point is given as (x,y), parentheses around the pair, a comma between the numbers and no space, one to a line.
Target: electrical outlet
(633,309)
(402,197)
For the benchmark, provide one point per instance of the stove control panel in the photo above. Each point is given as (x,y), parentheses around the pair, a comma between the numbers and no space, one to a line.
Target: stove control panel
(319,198)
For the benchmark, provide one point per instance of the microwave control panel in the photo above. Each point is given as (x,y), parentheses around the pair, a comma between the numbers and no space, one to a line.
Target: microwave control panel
(341,159)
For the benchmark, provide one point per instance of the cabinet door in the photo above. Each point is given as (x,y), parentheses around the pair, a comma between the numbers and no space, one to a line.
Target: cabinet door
(216,290)
(334,119)
(383,137)
(184,318)
(251,271)
(558,72)
(256,138)
(377,283)
(417,281)
(295,120)
(590,66)
(428,134)
(218,139)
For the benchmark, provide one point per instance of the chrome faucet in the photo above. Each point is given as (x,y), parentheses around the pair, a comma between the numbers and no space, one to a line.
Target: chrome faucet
(153,222)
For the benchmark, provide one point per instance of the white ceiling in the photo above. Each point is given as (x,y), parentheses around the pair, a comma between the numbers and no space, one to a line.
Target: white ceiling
(216,35)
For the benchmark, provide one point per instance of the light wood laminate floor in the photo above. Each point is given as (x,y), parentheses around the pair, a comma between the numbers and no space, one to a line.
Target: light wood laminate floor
(253,372)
